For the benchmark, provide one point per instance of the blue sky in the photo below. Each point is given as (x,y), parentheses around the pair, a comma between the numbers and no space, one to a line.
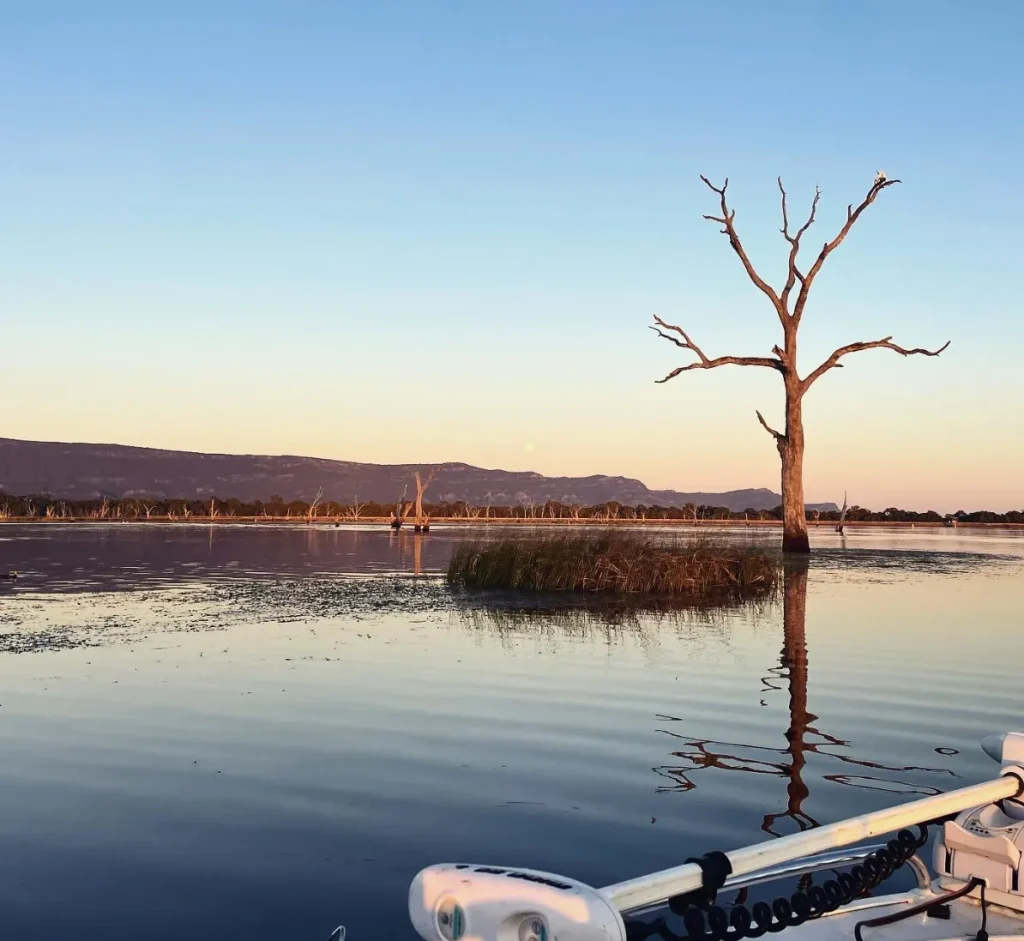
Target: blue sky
(438,231)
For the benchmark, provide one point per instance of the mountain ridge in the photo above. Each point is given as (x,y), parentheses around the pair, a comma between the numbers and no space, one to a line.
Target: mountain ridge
(80,470)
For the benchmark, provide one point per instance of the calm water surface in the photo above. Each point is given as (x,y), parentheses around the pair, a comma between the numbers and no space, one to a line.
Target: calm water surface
(264,732)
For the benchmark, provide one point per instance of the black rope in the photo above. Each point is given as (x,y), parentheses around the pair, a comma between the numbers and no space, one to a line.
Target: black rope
(708,922)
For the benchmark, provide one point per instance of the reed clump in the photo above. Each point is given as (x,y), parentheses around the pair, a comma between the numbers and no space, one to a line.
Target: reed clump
(695,569)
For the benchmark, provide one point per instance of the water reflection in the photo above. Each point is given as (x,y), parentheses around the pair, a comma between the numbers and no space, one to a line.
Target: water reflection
(802,736)
(128,556)
(564,617)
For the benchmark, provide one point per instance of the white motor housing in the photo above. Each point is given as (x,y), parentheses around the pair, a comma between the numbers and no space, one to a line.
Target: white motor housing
(988,842)
(985,843)
(463,902)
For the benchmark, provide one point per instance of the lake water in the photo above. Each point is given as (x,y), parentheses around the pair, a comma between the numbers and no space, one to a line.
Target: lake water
(264,732)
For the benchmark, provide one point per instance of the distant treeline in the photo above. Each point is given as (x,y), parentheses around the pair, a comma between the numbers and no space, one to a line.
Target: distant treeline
(46,507)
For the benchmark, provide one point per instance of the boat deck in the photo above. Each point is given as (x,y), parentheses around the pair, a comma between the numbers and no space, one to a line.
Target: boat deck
(964,922)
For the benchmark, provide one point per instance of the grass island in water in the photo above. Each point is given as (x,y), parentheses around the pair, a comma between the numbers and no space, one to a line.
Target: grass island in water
(695,569)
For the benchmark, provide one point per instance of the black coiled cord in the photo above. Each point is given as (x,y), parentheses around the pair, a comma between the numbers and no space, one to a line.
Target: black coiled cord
(707,922)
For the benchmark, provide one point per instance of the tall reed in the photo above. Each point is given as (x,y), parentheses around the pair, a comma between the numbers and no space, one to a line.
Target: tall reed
(617,561)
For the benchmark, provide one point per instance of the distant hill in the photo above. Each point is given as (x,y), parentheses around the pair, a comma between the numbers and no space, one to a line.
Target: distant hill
(81,471)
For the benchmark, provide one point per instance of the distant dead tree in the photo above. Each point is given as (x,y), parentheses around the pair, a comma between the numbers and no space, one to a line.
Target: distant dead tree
(401,510)
(311,512)
(357,508)
(842,516)
(790,443)
(421,488)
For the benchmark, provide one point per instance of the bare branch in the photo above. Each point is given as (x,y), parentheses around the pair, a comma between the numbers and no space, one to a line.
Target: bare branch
(794,273)
(704,362)
(785,216)
(775,434)
(852,215)
(729,229)
(885,343)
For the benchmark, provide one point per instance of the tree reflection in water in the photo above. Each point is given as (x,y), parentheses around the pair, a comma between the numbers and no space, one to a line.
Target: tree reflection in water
(802,736)
(563,616)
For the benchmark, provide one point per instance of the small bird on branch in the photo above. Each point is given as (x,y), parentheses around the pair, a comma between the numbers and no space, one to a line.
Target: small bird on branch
(880,178)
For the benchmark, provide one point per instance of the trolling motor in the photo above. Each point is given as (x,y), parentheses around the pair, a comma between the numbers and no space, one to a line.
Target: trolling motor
(459,902)
(980,850)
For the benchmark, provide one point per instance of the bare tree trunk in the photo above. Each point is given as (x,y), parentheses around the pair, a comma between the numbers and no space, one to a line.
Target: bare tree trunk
(791,450)
(421,488)
(398,516)
(311,512)
(842,516)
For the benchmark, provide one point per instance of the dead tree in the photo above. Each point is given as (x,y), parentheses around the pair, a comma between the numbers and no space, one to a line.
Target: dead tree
(357,507)
(790,311)
(842,517)
(311,512)
(401,510)
(421,488)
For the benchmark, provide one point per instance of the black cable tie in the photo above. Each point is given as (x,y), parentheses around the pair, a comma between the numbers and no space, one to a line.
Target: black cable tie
(716,868)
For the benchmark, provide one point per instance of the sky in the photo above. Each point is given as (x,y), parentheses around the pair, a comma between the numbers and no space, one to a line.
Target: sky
(438,231)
